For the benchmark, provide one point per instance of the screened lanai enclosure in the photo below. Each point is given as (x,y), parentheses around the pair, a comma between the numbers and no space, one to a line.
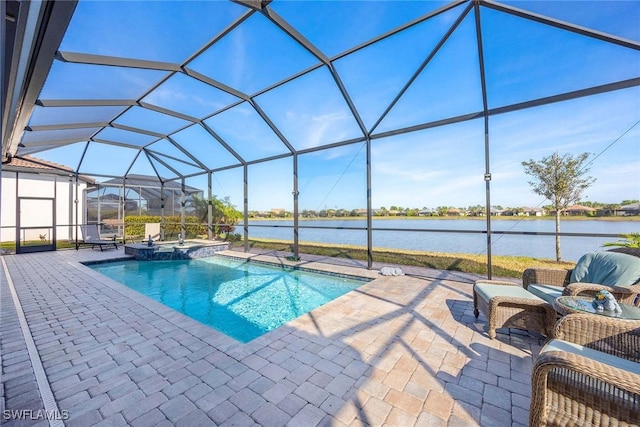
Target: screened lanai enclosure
(309,109)
(109,203)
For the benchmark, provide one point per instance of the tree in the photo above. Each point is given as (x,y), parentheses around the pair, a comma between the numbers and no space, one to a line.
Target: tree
(562,180)
(442,210)
(223,212)
(476,210)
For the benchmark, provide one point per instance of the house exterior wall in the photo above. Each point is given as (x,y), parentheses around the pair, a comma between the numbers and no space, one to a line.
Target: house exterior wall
(8,206)
(17,185)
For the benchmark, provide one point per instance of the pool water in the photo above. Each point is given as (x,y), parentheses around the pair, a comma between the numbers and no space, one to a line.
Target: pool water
(242,299)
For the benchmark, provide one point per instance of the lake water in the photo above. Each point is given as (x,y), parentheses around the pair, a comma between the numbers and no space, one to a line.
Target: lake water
(473,240)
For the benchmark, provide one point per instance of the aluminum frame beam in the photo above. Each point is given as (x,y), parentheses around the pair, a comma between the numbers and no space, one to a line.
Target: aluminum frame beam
(422,66)
(86,102)
(40,27)
(112,61)
(44,128)
(561,24)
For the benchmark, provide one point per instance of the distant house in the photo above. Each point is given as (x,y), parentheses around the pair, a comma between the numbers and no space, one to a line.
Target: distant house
(360,212)
(425,212)
(629,210)
(476,212)
(455,212)
(497,212)
(533,211)
(578,210)
(38,203)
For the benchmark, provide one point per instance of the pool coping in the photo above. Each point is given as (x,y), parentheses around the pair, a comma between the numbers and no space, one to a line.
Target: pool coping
(313,266)
(263,260)
(203,331)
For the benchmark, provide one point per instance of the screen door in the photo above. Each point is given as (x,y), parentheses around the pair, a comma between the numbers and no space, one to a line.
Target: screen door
(35,225)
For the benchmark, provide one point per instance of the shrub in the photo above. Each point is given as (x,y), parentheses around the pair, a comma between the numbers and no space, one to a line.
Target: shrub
(134,226)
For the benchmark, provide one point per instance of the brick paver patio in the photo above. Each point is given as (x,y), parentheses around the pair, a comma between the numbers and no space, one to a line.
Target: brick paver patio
(398,351)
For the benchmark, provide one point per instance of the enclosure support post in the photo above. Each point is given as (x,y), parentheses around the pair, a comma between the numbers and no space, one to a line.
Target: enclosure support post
(124,206)
(246,207)
(183,214)
(487,179)
(162,224)
(76,201)
(18,240)
(209,207)
(54,235)
(70,214)
(296,193)
(369,209)
(99,216)
(487,169)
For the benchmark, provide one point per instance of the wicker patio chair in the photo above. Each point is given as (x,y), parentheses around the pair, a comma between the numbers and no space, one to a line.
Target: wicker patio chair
(560,278)
(589,374)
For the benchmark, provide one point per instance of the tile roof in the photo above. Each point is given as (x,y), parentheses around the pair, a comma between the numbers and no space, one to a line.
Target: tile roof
(36,164)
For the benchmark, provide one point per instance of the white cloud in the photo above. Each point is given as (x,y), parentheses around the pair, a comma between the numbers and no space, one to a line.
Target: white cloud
(306,130)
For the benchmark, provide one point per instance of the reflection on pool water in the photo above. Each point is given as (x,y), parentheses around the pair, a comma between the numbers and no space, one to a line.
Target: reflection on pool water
(242,299)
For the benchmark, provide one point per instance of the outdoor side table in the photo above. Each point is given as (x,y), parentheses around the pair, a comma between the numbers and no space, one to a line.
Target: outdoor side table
(575,304)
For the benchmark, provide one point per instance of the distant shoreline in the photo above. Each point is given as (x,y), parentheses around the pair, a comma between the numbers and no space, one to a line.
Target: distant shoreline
(458,218)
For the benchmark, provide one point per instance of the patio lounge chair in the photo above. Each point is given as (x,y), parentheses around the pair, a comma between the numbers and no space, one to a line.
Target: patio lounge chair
(589,374)
(617,271)
(91,236)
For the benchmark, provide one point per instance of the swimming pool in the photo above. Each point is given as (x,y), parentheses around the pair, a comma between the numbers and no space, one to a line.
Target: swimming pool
(241,299)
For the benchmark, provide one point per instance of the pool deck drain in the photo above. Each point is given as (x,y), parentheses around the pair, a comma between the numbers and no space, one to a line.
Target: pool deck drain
(398,351)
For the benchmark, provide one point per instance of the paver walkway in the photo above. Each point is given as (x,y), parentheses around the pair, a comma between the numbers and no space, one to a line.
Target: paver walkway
(398,351)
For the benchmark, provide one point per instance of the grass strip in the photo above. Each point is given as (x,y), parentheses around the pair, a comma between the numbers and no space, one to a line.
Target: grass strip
(503,266)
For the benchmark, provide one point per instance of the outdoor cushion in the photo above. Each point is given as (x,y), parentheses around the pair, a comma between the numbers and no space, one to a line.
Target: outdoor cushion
(599,356)
(488,291)
(547,292)
(607,268)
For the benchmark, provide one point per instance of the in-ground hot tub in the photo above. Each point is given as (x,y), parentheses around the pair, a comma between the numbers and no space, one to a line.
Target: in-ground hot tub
(166,251)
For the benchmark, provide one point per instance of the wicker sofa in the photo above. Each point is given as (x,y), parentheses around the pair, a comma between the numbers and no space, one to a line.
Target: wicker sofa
(589,374)
(549,284)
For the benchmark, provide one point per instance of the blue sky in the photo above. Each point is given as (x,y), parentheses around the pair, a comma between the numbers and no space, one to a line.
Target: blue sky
(442,166)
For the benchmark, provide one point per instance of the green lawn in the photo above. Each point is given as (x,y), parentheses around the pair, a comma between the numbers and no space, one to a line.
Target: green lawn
(503,266)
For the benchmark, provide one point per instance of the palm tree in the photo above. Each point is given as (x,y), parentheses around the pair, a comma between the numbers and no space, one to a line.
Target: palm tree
(223,212)
(632,241)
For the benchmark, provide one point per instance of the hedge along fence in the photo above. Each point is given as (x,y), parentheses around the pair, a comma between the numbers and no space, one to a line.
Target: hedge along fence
(134,225)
